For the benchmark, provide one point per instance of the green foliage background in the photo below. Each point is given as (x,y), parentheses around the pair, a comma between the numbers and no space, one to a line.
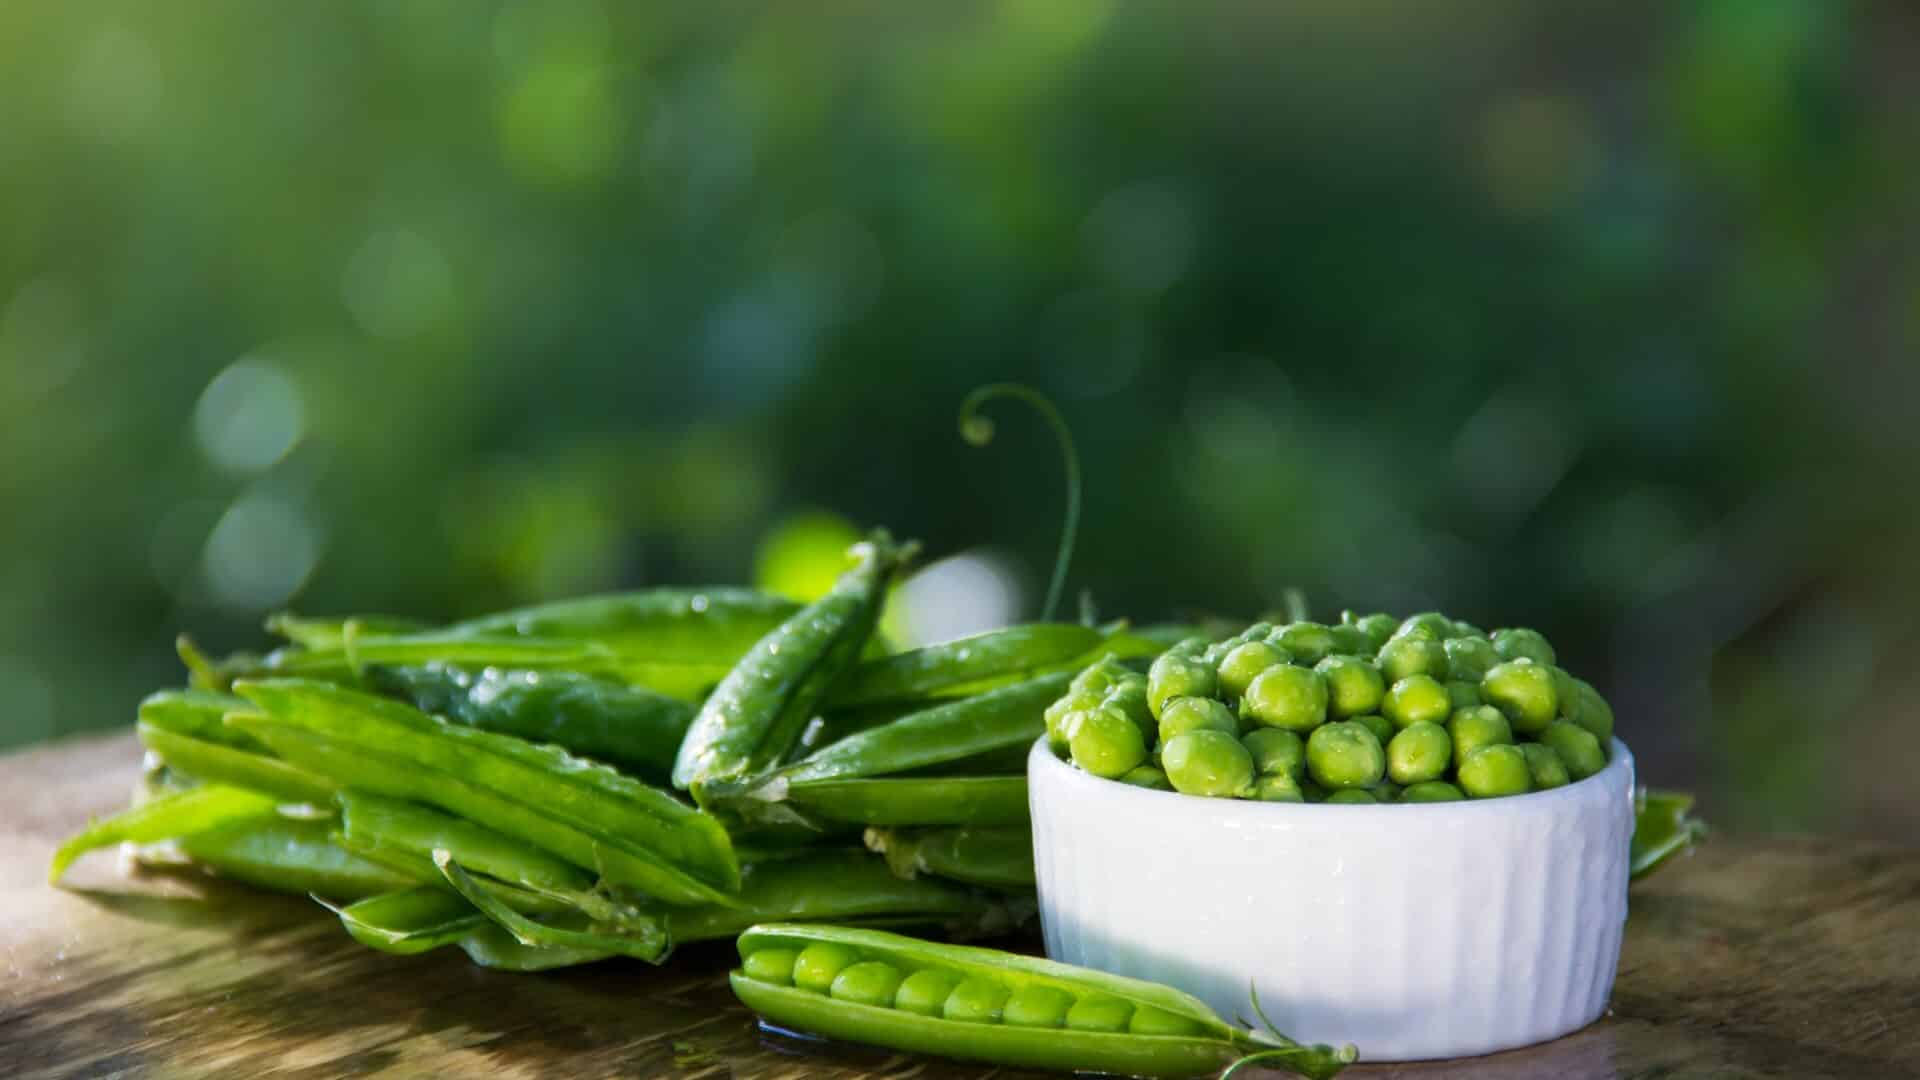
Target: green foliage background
(1599,318)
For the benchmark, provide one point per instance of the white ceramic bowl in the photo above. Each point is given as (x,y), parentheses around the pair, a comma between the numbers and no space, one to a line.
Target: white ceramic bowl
(1413,932)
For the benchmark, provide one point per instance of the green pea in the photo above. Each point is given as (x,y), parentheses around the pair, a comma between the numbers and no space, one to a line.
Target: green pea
(1429,624)
(1378,627)
(1147,776)
(1278,787)
(1413,655)
(1186,714)
(1097,1013)
(1174,675)
(1349,640)
(1244,663)
(1293,698)
(870,982)
(1492,771)
(1469,658)
(976,1001)
(770,966)
(1130,697)
(1060,718)
(1353,796)
(1589,710)
(1308,642)
(1218,651)
(1209,763)
(1545,766)
(1354,686)
(1259,631)
(1578,749)
(1523,690)
(1276,751)
(1038,1006)
(1344,754)
(1414,699)
(1463,695)
(1474,728)
(1147,1020)
(1100,677)
(925,991)
(1431,791)
(1463,628)
(1515,644)
(1108,743)
(1381,727)
(1420,752)
(1386,791)
(819,963)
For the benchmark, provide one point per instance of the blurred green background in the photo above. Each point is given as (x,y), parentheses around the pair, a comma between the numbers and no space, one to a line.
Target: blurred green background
(1597,318)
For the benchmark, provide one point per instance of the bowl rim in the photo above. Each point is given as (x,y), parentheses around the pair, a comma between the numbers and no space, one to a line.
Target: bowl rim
(1042,761)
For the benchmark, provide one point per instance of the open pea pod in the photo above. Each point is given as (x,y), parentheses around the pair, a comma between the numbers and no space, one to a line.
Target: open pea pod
(760,711)
(411,921)
(990,1006)
(642,939)
(588,814)
(970,665)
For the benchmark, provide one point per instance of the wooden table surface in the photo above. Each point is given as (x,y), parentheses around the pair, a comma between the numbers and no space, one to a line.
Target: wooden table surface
(1787,957)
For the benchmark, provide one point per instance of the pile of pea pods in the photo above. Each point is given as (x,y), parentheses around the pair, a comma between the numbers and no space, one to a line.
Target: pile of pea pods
(1371,710)
(616,774)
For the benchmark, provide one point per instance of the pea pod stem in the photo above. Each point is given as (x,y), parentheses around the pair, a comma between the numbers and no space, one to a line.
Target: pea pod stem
(978,430)
(761,709)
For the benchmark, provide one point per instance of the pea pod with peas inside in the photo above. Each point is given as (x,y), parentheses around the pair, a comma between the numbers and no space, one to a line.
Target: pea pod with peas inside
(990,1006)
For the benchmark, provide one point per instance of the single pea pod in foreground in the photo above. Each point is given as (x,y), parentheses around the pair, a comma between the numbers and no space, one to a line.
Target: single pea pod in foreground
(758,713)
(1001,1008)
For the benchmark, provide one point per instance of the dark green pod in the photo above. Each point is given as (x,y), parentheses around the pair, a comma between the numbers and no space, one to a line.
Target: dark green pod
(760,710)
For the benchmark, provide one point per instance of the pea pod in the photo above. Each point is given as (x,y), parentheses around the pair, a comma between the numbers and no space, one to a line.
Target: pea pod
(760,710)
(165,818)
(1663,827)
(676,641)
(587,814)
(995,1007)
(970,665)
(634,728)
(294,855)
(411,921)
(965,800)
(187,731)
(1000,858)
(331,633)
(844,886)
(641,939)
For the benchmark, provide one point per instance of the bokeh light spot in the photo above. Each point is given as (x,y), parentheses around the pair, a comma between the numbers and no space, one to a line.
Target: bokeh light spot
(802,555)
(398,285)
(260,553)
(1141,237)
(249,416)
(968,593)
(1535,152)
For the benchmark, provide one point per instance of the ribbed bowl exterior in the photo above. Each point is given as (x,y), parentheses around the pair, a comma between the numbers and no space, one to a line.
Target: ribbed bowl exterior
(1413,932)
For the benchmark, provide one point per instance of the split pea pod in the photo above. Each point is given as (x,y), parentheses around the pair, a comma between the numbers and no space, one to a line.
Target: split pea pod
(187,730)
(642,939)
(1000,858)
(632,727)
(588,814)
(410,921)
(760,710)
(1000,1008)
(970,665)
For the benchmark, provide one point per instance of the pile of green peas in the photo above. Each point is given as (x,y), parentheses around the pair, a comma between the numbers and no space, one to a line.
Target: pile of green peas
(1374,709)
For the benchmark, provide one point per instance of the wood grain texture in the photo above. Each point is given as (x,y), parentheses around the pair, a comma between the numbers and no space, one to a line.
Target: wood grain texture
(1785,957)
